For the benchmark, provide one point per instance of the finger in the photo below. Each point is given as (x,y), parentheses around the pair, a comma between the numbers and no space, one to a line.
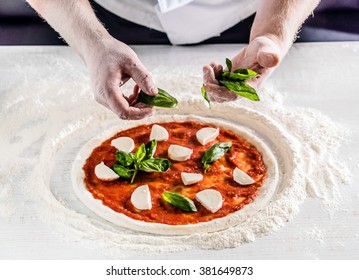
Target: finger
(268,54)
(218,69)
(132,99)
(219,94)
(208,75)
(134,113)
(119,105)
(143,78)
(268,60)
(141,105)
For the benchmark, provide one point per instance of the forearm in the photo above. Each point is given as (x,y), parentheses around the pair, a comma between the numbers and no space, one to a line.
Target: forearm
(75,21)
(281,19)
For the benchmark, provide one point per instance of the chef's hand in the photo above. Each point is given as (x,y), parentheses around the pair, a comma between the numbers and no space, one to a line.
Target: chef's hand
(111,65)
(262,55)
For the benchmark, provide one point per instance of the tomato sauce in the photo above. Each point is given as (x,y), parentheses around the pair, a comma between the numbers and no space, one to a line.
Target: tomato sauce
(117,194)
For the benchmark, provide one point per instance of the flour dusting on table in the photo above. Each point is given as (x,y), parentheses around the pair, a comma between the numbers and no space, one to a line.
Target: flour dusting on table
(44,123)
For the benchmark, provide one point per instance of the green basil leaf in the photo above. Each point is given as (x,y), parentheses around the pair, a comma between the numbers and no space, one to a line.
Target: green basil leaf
(241,89)
(206,166)
(155,164)
(205,96)
(234,81)
(179,201)
(123,158)
(214,153)
(237,86)
(150,149)
(246,73)
(140,154)
(229,64)
(238,75)
(162,99)
(122,171)
(142,160)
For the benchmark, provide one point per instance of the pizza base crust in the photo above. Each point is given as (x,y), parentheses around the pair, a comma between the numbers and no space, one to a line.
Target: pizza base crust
(265,194)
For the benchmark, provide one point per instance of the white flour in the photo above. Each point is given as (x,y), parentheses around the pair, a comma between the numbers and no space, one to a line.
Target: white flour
(51,119)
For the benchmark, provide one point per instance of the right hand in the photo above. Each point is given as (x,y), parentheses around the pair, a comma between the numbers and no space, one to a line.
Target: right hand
(111,65)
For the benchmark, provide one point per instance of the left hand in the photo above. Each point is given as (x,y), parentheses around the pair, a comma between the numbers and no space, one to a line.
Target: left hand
(262,55)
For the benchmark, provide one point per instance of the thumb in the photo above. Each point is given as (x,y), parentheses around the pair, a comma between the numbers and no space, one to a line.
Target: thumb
(268,54)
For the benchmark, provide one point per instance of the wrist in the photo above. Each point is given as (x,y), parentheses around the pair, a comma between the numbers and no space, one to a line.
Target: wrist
(95,46)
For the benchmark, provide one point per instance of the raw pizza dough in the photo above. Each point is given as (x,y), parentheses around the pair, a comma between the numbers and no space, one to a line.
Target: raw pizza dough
(267,189)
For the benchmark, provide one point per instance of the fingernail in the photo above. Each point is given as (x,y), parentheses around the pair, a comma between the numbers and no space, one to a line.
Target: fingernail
(153,90)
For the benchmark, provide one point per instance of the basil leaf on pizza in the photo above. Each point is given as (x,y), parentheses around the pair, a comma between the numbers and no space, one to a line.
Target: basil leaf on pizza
(155,164)
(123,158)
(179,201)
(161,99)
(214,153)
(128,164)
(150,149)
(122,171)
(140,154)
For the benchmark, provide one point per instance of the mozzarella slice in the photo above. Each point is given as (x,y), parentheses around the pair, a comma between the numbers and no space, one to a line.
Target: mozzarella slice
(124,144)
(141,198)
(207,134)
(179,153)
(210,199)
(158,133)
(191,178)
(241,177)
(105,173)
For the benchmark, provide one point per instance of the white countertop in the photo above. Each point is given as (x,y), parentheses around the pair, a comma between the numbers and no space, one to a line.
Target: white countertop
(323,76)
